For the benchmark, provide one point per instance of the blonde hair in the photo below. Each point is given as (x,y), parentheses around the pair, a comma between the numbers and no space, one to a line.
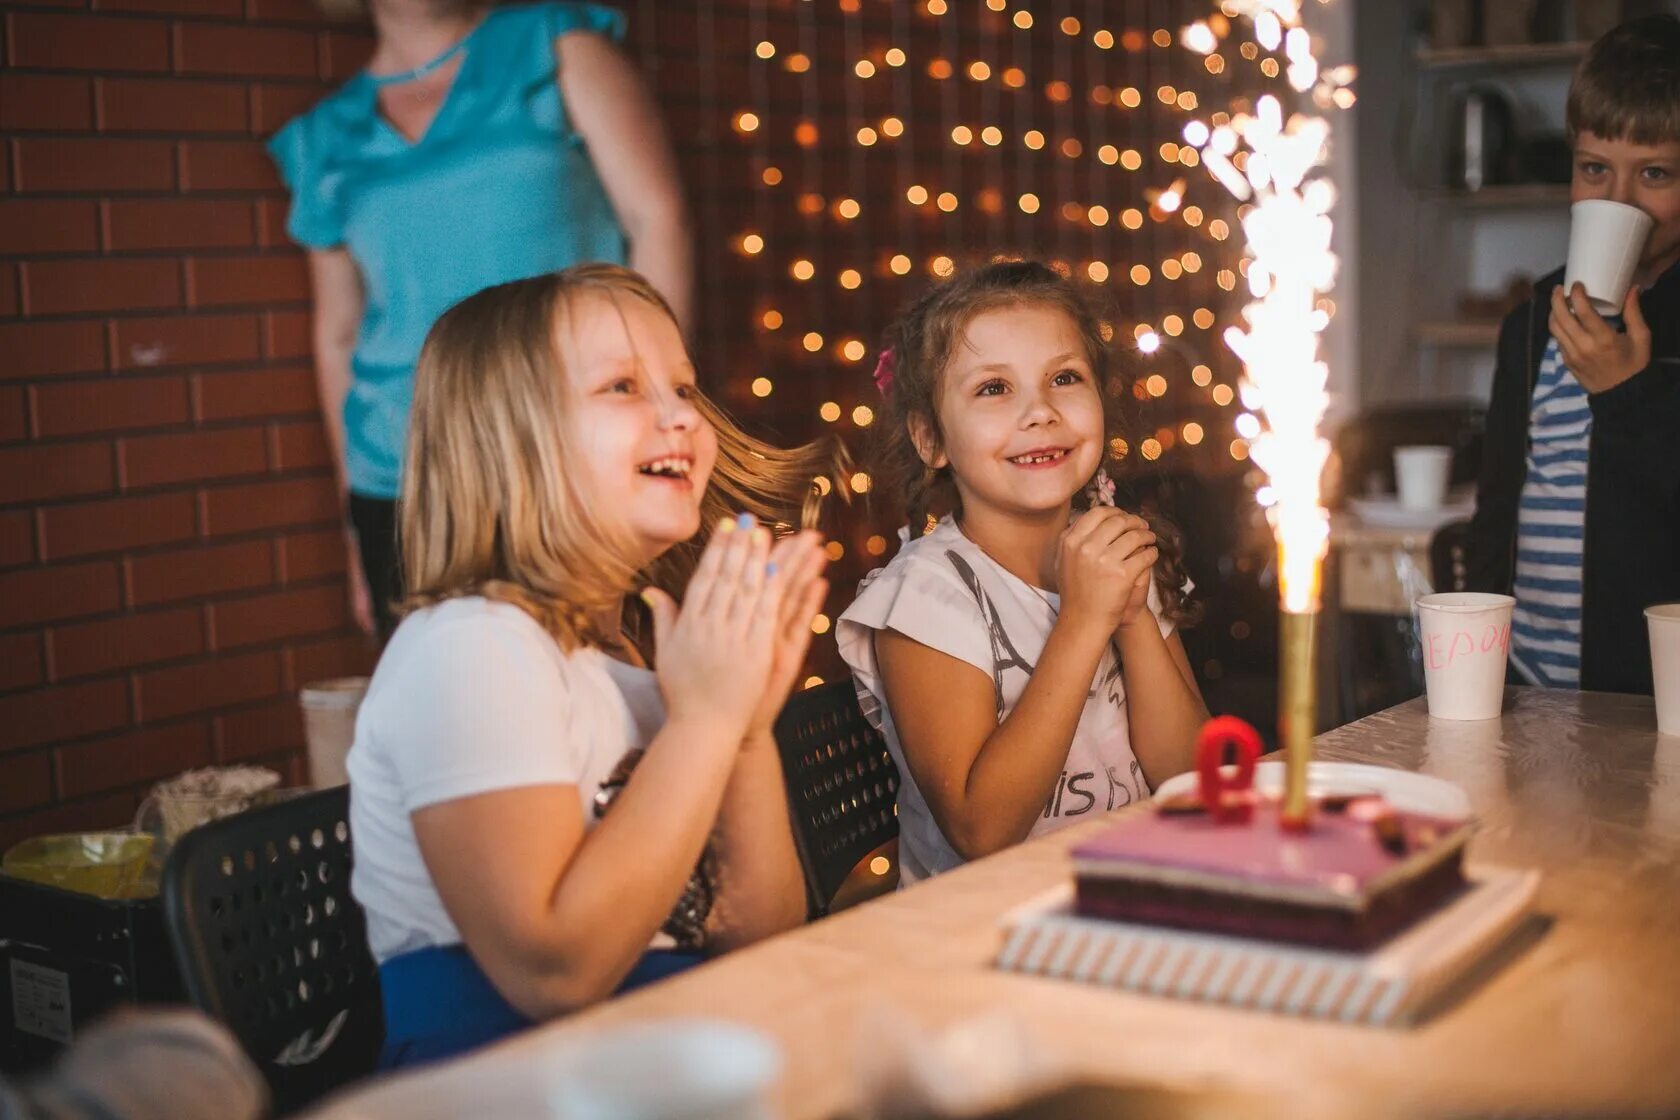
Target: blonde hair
(490,504)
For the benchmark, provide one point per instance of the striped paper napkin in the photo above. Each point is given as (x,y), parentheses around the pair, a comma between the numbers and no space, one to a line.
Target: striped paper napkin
(1390,985)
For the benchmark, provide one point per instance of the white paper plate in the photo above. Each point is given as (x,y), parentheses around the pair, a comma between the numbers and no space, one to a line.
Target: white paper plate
(1413,793)
(1388,513)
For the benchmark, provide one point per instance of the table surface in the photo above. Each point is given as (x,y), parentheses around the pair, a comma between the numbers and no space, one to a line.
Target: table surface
(1582,1017)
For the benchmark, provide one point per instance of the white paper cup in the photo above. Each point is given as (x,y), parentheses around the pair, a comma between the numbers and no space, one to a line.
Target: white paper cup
(329,726)
(1605,241)
(1420,476)
(679,1069)
(1664,623)
(1466,638)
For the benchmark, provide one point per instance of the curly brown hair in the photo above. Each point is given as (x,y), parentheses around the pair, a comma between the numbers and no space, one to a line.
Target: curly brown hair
(921,344)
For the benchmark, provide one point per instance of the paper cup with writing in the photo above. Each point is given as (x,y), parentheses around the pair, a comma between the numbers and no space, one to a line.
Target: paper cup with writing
(1605,241)
(1664,623)
(1466,637)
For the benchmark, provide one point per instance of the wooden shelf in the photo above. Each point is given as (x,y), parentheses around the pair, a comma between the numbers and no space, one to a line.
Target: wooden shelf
(1459,335)
(1514,197)
(1522,54)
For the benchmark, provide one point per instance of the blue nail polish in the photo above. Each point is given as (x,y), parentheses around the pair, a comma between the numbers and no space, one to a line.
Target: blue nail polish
(769,569)
(744,521)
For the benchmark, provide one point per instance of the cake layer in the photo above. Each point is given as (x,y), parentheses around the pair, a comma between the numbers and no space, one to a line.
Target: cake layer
(1216,911)
(1345,860)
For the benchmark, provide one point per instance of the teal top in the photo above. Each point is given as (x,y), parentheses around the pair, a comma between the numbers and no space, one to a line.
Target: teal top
(499,188)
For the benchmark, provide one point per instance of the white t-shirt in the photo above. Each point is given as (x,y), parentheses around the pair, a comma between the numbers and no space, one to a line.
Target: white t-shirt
(473,696)
(943,591)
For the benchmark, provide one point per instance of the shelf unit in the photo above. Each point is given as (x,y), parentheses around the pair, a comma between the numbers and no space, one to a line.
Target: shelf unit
(1520,54)
(1459,335)
(1519,196)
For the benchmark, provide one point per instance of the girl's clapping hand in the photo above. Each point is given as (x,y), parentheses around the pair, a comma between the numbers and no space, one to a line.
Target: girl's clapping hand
(716,652)
(1103,567)
(799,559)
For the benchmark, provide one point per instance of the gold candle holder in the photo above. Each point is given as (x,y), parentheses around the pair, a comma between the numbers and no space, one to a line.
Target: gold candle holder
(1297,710)
(1300,571)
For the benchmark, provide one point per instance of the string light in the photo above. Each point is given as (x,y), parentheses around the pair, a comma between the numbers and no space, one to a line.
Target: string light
(866,136)
(1097,271)
(820,624)
(1023,19)
(1130,97)
(813,341)
(947,201)
(1109,154)
(1104,39)
(772,176)
(1033,139)
(1222,395)
(917,195)
(1156,385)
(991,135)
(892,126)
(894,57)
(829,412)
(875,545)
(772,320)
(1133,219)
(1028,203)
(979,71)
(752,244)
(802,269)
(1201,375)
(797,63)
(864,68)
(1097,215)
(900,264)
(765,49)
(852,350)
(746,122)
(939,69)
(860,482)
(851,279)
(1015,77)
(835,550)
(1131,159)
(863,416)
(761,387)
(942,266)
(962,135)
(847,208)
(1070,26)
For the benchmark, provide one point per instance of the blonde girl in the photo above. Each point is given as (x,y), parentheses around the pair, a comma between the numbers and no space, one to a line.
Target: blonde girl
(540,817)
(1020,652)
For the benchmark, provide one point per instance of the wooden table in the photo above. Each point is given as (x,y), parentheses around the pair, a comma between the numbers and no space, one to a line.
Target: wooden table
(1584,1019)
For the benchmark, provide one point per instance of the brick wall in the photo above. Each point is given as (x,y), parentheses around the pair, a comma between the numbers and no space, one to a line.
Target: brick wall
(170,566)
(170,569)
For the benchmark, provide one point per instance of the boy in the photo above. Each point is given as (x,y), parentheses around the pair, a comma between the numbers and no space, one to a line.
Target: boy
(1578,505)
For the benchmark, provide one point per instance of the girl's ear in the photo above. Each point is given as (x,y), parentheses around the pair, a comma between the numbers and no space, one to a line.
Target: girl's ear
(926,441)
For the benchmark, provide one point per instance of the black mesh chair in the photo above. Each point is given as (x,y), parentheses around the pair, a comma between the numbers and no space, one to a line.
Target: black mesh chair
(270,942)
(1448,549)
(842,785)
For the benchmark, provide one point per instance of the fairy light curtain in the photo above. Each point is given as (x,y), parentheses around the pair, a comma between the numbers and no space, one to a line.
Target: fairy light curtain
(839,153)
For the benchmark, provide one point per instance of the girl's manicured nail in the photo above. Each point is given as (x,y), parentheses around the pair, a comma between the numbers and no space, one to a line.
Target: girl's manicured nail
(769,569)
(745,521)
(725,525)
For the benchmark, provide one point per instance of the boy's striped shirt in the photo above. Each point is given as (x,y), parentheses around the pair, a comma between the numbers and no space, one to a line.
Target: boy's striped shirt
(1551,521)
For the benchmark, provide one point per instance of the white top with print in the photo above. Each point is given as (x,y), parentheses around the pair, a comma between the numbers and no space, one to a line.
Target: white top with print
(943,591)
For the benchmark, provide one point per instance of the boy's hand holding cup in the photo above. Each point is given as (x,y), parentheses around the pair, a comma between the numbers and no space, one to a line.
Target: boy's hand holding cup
(1605,242)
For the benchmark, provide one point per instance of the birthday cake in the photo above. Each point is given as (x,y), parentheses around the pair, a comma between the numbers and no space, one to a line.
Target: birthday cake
(1225,860)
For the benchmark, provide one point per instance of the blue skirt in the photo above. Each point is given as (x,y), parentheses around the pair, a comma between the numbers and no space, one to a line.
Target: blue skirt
(438,1002)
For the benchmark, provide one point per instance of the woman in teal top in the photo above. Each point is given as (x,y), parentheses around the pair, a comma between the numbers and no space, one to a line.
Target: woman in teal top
(478,146)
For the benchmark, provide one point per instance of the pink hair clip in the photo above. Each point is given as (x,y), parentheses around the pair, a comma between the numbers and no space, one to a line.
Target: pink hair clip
(885,366)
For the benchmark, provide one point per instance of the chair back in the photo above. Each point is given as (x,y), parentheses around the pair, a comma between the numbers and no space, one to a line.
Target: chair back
(1448,549)
(842,785)
(270,942)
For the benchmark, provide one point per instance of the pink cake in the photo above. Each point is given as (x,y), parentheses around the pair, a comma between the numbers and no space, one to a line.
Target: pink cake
(1361,872)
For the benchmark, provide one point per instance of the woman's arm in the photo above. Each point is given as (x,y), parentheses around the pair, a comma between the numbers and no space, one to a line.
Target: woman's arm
(1164,707)
(616,115)
(337,291)
(556,916)
(336,285)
